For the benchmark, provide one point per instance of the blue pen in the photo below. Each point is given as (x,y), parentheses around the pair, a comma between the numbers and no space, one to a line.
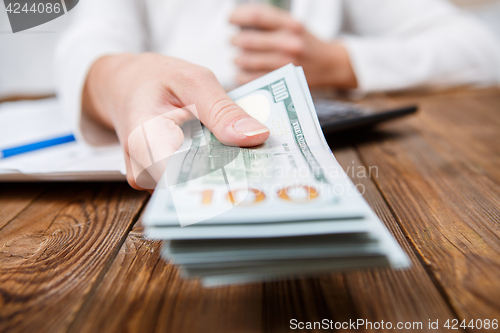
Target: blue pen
(4,153)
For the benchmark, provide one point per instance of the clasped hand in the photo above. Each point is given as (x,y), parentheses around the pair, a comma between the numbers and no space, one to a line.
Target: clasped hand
(270,38)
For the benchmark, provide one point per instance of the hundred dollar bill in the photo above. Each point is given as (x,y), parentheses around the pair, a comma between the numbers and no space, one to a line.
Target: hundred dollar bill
(232,215)
(291,177)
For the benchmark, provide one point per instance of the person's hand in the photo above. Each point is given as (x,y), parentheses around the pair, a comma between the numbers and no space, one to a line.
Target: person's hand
(140,96)
(270,38)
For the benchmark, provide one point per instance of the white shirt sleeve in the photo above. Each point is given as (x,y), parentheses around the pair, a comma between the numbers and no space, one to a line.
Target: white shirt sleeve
(99,28)
(399,44)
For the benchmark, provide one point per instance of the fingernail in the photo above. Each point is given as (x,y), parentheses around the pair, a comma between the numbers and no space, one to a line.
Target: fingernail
(250,127)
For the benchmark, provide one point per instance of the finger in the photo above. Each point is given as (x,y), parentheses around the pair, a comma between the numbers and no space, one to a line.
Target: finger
(227,121)
(181,115)
(263,41)
(264,17)
(262,61)
(150,145)
(246,76)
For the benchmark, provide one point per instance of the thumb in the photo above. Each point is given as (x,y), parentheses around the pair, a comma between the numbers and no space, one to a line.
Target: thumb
(229,123)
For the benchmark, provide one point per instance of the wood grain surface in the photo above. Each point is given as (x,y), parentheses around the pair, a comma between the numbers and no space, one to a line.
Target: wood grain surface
(73,257)
(149,296)
(56,248)
(443,187)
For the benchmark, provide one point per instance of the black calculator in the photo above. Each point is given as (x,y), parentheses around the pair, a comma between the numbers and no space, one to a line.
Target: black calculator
(336,116)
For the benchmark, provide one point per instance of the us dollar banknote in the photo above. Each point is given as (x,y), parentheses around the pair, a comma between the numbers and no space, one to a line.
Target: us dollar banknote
(291,177)
(286,208)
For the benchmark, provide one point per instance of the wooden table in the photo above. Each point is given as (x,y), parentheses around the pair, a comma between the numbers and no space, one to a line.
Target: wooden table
(73,257)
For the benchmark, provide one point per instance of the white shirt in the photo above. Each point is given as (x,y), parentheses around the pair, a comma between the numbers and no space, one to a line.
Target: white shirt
(392,44)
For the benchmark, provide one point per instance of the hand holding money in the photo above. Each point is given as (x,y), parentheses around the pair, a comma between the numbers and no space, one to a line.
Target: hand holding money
(276,39)
(141,98)
(282,209)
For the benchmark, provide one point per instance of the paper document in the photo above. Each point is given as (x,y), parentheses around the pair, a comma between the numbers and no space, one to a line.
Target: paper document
(26,122)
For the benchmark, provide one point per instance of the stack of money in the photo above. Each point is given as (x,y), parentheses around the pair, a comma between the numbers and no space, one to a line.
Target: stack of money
(232,215)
